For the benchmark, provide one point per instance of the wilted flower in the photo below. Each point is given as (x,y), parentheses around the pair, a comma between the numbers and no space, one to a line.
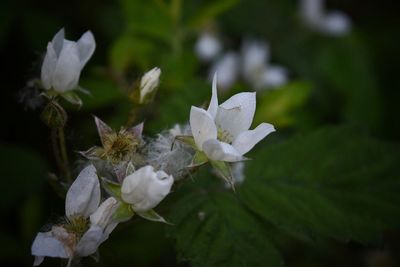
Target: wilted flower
(333,23)
(65,60)
(149,84)
(222,132)
(227,68)
(256,69)
(87,224)
(145,188)
(207,46)
(117,146)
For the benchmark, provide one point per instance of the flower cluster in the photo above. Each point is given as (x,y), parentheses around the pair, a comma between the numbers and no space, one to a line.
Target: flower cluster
(137,172)
(252,63)
(334,23)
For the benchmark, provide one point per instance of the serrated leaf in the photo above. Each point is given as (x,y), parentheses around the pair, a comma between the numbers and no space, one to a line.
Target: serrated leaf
(151,215)
(332,183)
(111,188)
(214,229)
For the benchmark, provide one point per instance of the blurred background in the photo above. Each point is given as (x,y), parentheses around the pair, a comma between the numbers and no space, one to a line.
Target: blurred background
(321,191)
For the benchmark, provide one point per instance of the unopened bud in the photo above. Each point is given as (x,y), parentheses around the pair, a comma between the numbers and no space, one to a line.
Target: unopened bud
(148,85)
(54,115)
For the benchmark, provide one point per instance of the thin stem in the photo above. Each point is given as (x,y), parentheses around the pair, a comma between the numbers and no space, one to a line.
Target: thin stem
(56,151)
(133,114)
(64,154)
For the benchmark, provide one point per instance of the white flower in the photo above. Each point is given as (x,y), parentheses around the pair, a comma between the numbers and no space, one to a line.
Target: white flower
(65,60)
(256,69)
(82,203)
(227,68)
(208,46)
(222,132)
(145,188)
(334,23)
(149,83)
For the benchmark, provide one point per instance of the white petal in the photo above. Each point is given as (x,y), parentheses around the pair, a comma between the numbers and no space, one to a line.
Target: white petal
(220,151)
(247,140)
(158,188)
(134,186)
(58,41)
(48,66)
(83,197)
(45,244)
(90,241)
(213,107)
(86,46)
(102,216)
(202,126)
(236,114)
(67,71)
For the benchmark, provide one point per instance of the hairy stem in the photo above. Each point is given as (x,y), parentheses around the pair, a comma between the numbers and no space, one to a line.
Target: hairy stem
(64,154)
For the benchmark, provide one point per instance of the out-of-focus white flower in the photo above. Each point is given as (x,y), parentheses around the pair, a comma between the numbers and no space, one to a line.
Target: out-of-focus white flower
(78,237)
(333,23)
(207,46)
(227,68)
(222,132)
(145,188)
(256,69)
(148,84)
(65,60)
(255,55)
(273,76)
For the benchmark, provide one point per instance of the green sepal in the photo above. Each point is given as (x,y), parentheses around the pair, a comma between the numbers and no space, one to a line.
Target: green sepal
(123,213)
(130,168)
(199,159)
(112,188)
(151,215)
(223,169)
(72,98)
(187,139)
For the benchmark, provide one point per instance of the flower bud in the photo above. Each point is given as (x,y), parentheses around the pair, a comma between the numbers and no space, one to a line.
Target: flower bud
(148,85)
(54,115)
(64,61)
(145,188)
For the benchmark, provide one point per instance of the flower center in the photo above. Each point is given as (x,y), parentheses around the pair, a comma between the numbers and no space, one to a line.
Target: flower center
(224,135)
(119,146)
(77,225)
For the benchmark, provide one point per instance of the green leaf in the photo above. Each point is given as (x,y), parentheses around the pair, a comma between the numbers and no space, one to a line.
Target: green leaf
(281,106)
(111,188)
(214,229)
(331,183)
(151,215)
(210,11)
(123,213)
(187,139)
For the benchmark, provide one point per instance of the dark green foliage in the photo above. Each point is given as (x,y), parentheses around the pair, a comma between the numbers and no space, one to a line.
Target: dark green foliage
(215,229)
(332,183)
